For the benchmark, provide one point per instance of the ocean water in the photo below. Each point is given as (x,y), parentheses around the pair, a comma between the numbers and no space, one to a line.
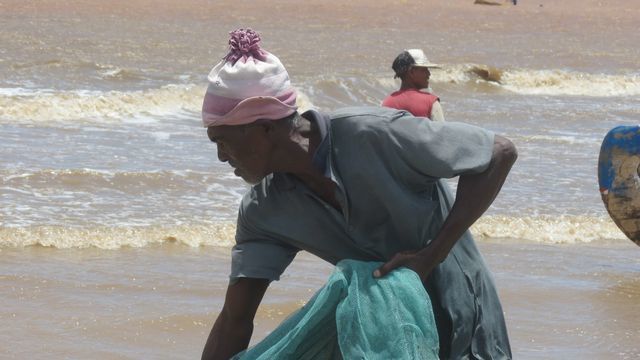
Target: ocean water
(116,218)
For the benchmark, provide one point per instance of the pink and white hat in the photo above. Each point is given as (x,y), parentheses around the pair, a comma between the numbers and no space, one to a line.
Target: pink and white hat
(248,84)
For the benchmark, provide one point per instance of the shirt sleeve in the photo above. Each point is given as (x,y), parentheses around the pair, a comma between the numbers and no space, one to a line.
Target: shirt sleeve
(436,112)
(436,149)
(257,256)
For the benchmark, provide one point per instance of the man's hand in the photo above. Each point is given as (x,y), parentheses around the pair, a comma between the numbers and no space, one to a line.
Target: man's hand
(421,261)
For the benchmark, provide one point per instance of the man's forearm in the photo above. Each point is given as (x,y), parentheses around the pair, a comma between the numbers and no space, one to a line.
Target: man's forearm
(227,338)
(475,194)
(233,328)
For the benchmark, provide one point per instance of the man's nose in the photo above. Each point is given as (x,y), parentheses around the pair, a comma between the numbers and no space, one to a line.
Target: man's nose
(222,156)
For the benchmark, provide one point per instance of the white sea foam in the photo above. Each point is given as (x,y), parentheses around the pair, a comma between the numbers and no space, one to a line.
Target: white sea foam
(60,237)
(41,106)
(559,139)
(19,105)
(556,82)
(552,82)
(549,230)
(515,80)
(110,72)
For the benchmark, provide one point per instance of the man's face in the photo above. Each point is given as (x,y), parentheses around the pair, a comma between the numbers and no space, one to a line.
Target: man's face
(245,147)
(420,76)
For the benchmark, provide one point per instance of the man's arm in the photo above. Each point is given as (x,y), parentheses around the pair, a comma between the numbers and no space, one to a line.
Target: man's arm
(475,194)
(233,328)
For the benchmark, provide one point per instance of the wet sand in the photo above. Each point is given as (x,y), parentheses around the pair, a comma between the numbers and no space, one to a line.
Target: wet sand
(560,301)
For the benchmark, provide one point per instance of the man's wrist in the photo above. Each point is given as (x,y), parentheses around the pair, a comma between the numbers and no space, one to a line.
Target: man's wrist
(436,252)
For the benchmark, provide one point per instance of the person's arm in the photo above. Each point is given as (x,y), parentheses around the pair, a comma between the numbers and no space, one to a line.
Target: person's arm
(233,328)
(436,112)
(475,194)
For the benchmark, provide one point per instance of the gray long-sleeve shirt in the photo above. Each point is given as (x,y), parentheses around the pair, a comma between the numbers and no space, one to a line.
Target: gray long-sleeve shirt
(388,165)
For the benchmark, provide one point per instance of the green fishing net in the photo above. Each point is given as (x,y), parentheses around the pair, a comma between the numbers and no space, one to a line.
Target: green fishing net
(355,316)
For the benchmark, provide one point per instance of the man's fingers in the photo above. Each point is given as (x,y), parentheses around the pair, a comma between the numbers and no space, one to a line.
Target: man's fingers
(387,267)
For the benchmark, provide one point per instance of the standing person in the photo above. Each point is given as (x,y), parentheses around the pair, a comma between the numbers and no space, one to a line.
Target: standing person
(359,183)
(414,96)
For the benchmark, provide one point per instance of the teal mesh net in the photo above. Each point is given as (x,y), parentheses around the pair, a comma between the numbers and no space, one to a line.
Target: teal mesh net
(355,316)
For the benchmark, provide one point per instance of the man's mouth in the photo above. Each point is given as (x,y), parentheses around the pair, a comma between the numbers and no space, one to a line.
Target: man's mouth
(236,170)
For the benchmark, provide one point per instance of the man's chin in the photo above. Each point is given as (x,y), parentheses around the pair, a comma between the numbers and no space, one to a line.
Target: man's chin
(249,179)
(252,181)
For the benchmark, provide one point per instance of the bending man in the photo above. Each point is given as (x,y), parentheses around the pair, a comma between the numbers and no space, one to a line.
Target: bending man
(359,183)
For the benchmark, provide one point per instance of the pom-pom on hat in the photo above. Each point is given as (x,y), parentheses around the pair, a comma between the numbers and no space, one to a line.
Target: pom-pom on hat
(248,84)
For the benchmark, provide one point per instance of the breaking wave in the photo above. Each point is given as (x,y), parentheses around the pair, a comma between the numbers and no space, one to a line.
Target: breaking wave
(552,82)
(18,105)
(549,230)
(62,237)
(21,105)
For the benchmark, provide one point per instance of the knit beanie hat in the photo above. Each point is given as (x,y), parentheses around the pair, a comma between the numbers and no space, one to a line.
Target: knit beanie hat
(248,84)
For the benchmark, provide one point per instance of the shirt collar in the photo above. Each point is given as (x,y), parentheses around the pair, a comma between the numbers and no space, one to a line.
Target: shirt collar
(321,156)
